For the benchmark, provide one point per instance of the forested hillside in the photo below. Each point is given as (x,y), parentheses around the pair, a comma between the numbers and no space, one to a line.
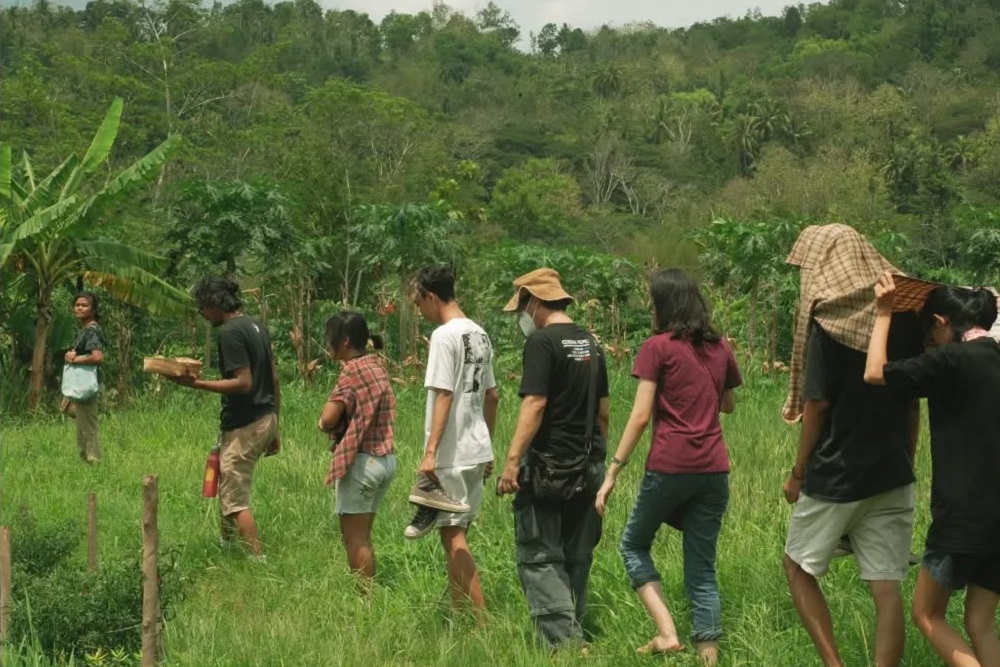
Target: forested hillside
(331,154)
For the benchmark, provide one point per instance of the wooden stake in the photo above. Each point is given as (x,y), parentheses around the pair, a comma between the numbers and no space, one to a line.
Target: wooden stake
(4,581)
(91,531)
(151,645)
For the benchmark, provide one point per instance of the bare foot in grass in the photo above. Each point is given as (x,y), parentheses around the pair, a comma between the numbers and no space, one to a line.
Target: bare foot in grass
(709,653)
(659,645)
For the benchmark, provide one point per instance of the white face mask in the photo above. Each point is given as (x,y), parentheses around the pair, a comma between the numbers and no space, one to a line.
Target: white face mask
(527,323)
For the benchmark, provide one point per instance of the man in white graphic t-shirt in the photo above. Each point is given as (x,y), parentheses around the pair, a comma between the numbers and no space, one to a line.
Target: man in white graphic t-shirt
(458,452)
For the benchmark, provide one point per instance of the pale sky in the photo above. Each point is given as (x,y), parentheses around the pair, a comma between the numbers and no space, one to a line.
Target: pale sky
(531,15)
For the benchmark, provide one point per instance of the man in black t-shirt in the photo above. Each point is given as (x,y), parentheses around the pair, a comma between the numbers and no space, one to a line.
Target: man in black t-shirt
(555,539)
(250,401)
(853,476)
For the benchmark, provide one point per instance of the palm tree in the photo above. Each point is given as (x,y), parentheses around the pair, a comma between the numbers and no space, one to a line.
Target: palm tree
(607,80)
(748,137)
(47,234)
(964,152)
(659,122)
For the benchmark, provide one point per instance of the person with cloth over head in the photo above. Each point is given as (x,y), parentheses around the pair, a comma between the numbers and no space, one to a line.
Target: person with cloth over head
(853,473)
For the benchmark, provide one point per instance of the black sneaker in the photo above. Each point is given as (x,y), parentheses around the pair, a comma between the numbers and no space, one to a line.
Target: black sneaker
(421,524)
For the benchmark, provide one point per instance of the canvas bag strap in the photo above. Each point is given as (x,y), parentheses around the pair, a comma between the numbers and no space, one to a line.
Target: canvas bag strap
(710,373)
(80,337)
(591,394)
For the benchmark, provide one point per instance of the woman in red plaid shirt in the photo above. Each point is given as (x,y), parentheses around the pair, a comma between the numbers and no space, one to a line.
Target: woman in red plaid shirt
(358,416)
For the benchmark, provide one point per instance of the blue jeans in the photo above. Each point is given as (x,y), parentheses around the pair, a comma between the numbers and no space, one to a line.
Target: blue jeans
(695,502)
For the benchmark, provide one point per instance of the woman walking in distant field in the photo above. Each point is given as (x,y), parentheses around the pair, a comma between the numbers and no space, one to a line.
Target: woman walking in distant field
(359,416)
(687,375)
(87,351)
(960,377)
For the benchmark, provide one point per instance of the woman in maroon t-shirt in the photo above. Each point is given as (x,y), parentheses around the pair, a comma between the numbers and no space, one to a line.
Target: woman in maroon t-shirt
(686,375)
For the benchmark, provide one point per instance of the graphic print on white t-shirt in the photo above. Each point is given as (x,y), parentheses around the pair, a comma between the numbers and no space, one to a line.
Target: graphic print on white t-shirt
(460,361)
(478,355)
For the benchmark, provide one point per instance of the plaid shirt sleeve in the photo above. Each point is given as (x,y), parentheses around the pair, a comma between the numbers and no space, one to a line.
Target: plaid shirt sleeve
(343,454)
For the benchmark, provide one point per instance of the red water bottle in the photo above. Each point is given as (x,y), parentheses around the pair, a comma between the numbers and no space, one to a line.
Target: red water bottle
(210,487)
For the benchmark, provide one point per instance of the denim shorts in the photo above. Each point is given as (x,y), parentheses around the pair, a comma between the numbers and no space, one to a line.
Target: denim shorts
(361,490)
(957,571)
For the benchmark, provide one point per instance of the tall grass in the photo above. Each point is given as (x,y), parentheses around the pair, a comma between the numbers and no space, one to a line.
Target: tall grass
(302,608)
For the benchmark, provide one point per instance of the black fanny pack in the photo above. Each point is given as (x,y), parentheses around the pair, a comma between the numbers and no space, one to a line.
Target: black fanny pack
(556,480)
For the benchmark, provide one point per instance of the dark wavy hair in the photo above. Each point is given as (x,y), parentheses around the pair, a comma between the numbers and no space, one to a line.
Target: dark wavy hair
(91,299)
(438,280)
(964,308)
(679,308)
(218,292)
(352,326)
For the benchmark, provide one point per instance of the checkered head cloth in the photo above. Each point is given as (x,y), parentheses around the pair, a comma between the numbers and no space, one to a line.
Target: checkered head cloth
(911,293)
(838,268)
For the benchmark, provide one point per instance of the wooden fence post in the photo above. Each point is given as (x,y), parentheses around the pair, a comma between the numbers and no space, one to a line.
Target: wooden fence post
(91,531)
(151,645)
(4,581)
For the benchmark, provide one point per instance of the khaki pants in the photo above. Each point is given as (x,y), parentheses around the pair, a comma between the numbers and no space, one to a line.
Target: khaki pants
(86,429)
(239,451)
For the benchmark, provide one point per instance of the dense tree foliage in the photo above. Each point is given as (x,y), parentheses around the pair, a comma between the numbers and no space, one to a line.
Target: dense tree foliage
(324,125)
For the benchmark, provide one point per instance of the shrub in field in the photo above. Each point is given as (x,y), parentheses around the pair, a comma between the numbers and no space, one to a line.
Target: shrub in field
(37,548)
(63,610)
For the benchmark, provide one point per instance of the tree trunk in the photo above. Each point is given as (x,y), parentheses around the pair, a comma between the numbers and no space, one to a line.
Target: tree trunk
(298,297)
(772,337)
(43,323)
(407,320)
(123,345)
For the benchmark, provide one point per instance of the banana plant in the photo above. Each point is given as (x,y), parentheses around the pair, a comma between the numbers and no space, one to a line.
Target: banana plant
(49,233)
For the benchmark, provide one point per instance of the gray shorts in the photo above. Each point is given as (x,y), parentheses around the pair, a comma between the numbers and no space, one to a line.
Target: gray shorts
(361,490)
(464,484)
(880,528)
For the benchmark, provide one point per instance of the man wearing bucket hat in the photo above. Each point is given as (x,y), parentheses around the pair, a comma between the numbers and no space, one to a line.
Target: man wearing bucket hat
(555,463)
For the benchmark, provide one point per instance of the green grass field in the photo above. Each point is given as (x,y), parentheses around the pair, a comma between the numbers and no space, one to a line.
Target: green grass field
(302,609)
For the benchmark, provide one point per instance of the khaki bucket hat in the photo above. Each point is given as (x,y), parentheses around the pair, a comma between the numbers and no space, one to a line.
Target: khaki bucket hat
(541,283)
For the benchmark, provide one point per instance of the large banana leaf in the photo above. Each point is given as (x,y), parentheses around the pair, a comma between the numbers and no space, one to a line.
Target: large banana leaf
(47,192)
(43,225)
(4,170)
(29,171)
(139,288)
(99,149)
(140,173)
(111,253)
